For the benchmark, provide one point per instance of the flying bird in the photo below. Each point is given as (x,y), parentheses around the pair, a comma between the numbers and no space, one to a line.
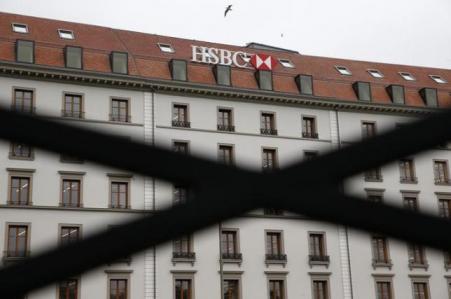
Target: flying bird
(229,8)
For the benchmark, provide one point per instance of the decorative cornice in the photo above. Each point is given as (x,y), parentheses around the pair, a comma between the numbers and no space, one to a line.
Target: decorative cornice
(39,72)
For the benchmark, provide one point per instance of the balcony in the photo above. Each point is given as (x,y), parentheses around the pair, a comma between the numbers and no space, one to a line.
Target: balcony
(268,131)
(278,258)
(382,263)
(181,124)
(120,118)
(311,135)
(408,180)
(183,257)
(226,128)
(442,181)
(319,260)
(232,258)
(373,176)
(73,114)
(26,110)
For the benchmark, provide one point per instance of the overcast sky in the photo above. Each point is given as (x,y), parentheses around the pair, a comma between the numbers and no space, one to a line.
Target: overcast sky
(416,32)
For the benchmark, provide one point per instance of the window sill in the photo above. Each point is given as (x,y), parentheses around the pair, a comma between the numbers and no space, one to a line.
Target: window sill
(373,180)
(276,262)
(176,260)
(19,205)
(424,266)
(71,207)
(319,263)
(388,265)
(406,181)
(443,183)
(12,157)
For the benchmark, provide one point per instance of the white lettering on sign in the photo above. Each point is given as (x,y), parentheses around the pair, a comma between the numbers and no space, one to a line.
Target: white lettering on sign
(219,56)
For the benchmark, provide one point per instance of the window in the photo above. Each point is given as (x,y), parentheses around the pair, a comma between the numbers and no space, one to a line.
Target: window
(68,289)
(384,290)
(362,91)
(407,76)
(119,110)
(368,129)
(310,155)
(166,48)
(407,171)
(231,289)
(309,127)
(180,147)
(118,288)
(438,79)
(223,74)
(269,162)
(66,34)
(21,151)
(375,198)
(180,195)
(180,116)
(441,175)
(417,256)
(183,289)
(23,100)
(444,208)
(420,290)
(317,249)
(320,289)
(274,248)
(267,124)
(229,244)
(178,69)
(25,51)
(71,193)
(376,74)
(69,235)
(286,63)
(380,251)
(74,57)
(429,96)
(119,62)
(396,93)
(183,249)
(264,79)
(20,28)
(20,191)
(119,195)
(17,241)
(411,203)
(373,175)
(225,121)
(276,289)
(305,84)
(73,106)
(225,154)
(343,70)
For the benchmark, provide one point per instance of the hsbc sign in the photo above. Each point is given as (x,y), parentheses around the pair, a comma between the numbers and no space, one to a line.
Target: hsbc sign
(238,58)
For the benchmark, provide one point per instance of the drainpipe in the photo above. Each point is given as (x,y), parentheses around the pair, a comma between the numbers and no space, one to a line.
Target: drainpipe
(221,262)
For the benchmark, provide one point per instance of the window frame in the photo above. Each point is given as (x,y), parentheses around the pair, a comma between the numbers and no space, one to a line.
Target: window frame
(407,76)
(416,278)
(314,134)
(375,192)
(413,178)
(320,276)
(384,278)
(261,76)
(69,225)
(323,257)
(286,63)
(128,117)
(275,160)
(23,173)
(376,263)
(186,142)
(166,46)
(298,80)
(112,54)
(223,127)
(272,130)
(237,250)
(11,155)
(24,89)
(276,276)
(183,275)
(343,70)
(380,75)
(232,153)
(281,246)
(446,174)
(58,286)
(64,113)
(233,275)
(438,79)
(186,123)
(66,58)
(119,275)
(71,176)
(7,258)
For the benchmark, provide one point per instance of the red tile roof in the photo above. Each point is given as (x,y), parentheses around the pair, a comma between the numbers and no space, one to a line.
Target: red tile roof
(146,60)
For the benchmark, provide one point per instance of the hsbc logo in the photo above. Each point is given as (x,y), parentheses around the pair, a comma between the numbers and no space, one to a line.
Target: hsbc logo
(239,59)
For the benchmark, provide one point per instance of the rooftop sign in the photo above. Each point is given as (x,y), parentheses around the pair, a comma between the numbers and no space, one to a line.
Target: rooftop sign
(236,58)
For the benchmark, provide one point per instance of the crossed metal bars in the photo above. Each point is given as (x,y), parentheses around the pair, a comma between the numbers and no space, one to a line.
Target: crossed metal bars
(310,188)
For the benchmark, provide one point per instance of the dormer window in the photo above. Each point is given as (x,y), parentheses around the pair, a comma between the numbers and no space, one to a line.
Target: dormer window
(286,63)
(376,74)
(438,79)
(166,48)
(343,70)
(66,34)
(20,28)
(407,76)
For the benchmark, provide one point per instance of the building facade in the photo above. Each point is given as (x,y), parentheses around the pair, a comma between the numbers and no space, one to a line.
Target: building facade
(256,107)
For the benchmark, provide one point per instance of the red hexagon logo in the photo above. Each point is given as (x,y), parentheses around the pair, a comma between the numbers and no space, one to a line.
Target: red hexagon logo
(263,62)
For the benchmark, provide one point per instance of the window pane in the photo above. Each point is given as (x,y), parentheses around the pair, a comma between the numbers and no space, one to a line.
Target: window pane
(25,51)
(119,63)
(74,57)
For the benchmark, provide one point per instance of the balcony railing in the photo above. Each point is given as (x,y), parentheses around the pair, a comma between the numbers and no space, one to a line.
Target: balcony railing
(408,179)
(30,110)
(376,263)
(373,176)
(442,181)
(72,114)
(311,135)
(418,264)
(232,256)
(120,118)
(277,257)
(184,255)
(227,128)
(268,131)
(319,258)
(181,124)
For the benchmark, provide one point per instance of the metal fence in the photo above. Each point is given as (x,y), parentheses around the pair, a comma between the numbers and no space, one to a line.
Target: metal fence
(311,188)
